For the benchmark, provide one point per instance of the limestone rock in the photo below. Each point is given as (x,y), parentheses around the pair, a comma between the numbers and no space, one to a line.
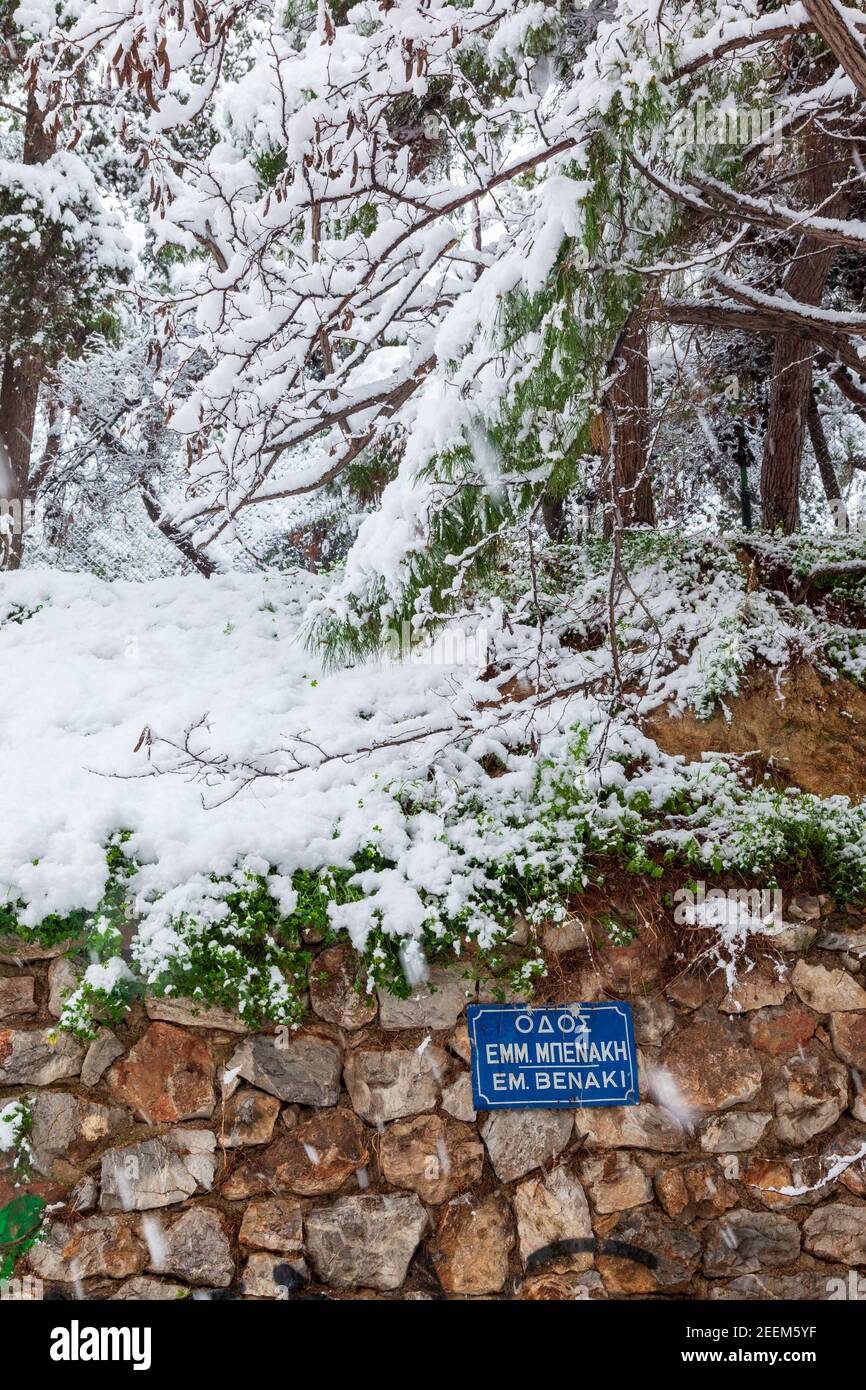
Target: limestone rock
(313,1159)
(258,1173)
(365,1241)
(273,1223)
(567,936)
(520,931)
(848,1032)
(436,1004)
(694,1190)
(847,1143)
(434,1157)
(710,1067)
(519,1140)
(158,1172)
(67,1129)
(195,1248)
(735,1132)
(37,1057)
(16,995)
(837,1232)
(744,1242)
(760,988)
(643,1126)
(145,1289)
(457,1099)
(809,1094)
(103,1246)
(387,1086)
(630,969)
(193,1013)
(304,1068)
(471,1244)
(805,907)
(104,1050)
(807,1285)
(673,1254)
(167,1076)
(14,950)
(689,990)
(779,1183)
(273,1276)
(827,991)
(851,942)
(653,1020)
(338,991)
(549,1209)
(616,1181)
(558,1288)
(319,1155)
(459,1044)
(84,1195)
(63,978)
(781,1031)
(797,937)
(249,1118)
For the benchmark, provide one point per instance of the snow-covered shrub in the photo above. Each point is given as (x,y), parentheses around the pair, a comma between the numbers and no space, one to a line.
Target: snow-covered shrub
(234,947)
(758,831)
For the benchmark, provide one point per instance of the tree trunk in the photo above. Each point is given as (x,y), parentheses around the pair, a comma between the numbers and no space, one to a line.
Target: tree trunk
(627,474)
(742,459)
(19,389)
(821,450)
(554,518)
(791,379)
(840,37)
(732,477)
(19,393)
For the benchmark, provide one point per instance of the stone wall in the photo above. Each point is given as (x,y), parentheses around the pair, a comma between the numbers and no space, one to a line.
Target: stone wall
(345,1160)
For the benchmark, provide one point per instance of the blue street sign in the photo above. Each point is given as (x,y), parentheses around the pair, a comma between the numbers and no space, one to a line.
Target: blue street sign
(582,1054)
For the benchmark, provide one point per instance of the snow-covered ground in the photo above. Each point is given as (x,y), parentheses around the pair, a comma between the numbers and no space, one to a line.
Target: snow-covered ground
(99,663)
(102,680)
(457,787)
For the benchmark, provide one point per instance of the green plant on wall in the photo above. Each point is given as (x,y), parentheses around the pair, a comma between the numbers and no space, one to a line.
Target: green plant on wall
(20,1228)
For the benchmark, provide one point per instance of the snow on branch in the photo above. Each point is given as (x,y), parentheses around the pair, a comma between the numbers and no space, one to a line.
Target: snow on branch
(365,213)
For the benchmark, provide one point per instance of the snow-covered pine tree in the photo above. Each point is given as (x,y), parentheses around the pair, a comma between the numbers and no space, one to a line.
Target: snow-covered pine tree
(63,251)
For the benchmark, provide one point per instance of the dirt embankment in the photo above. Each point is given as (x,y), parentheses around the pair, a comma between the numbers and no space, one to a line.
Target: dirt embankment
(807,730)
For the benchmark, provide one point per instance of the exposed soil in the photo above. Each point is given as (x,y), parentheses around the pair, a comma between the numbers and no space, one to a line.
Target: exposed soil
(809,732)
